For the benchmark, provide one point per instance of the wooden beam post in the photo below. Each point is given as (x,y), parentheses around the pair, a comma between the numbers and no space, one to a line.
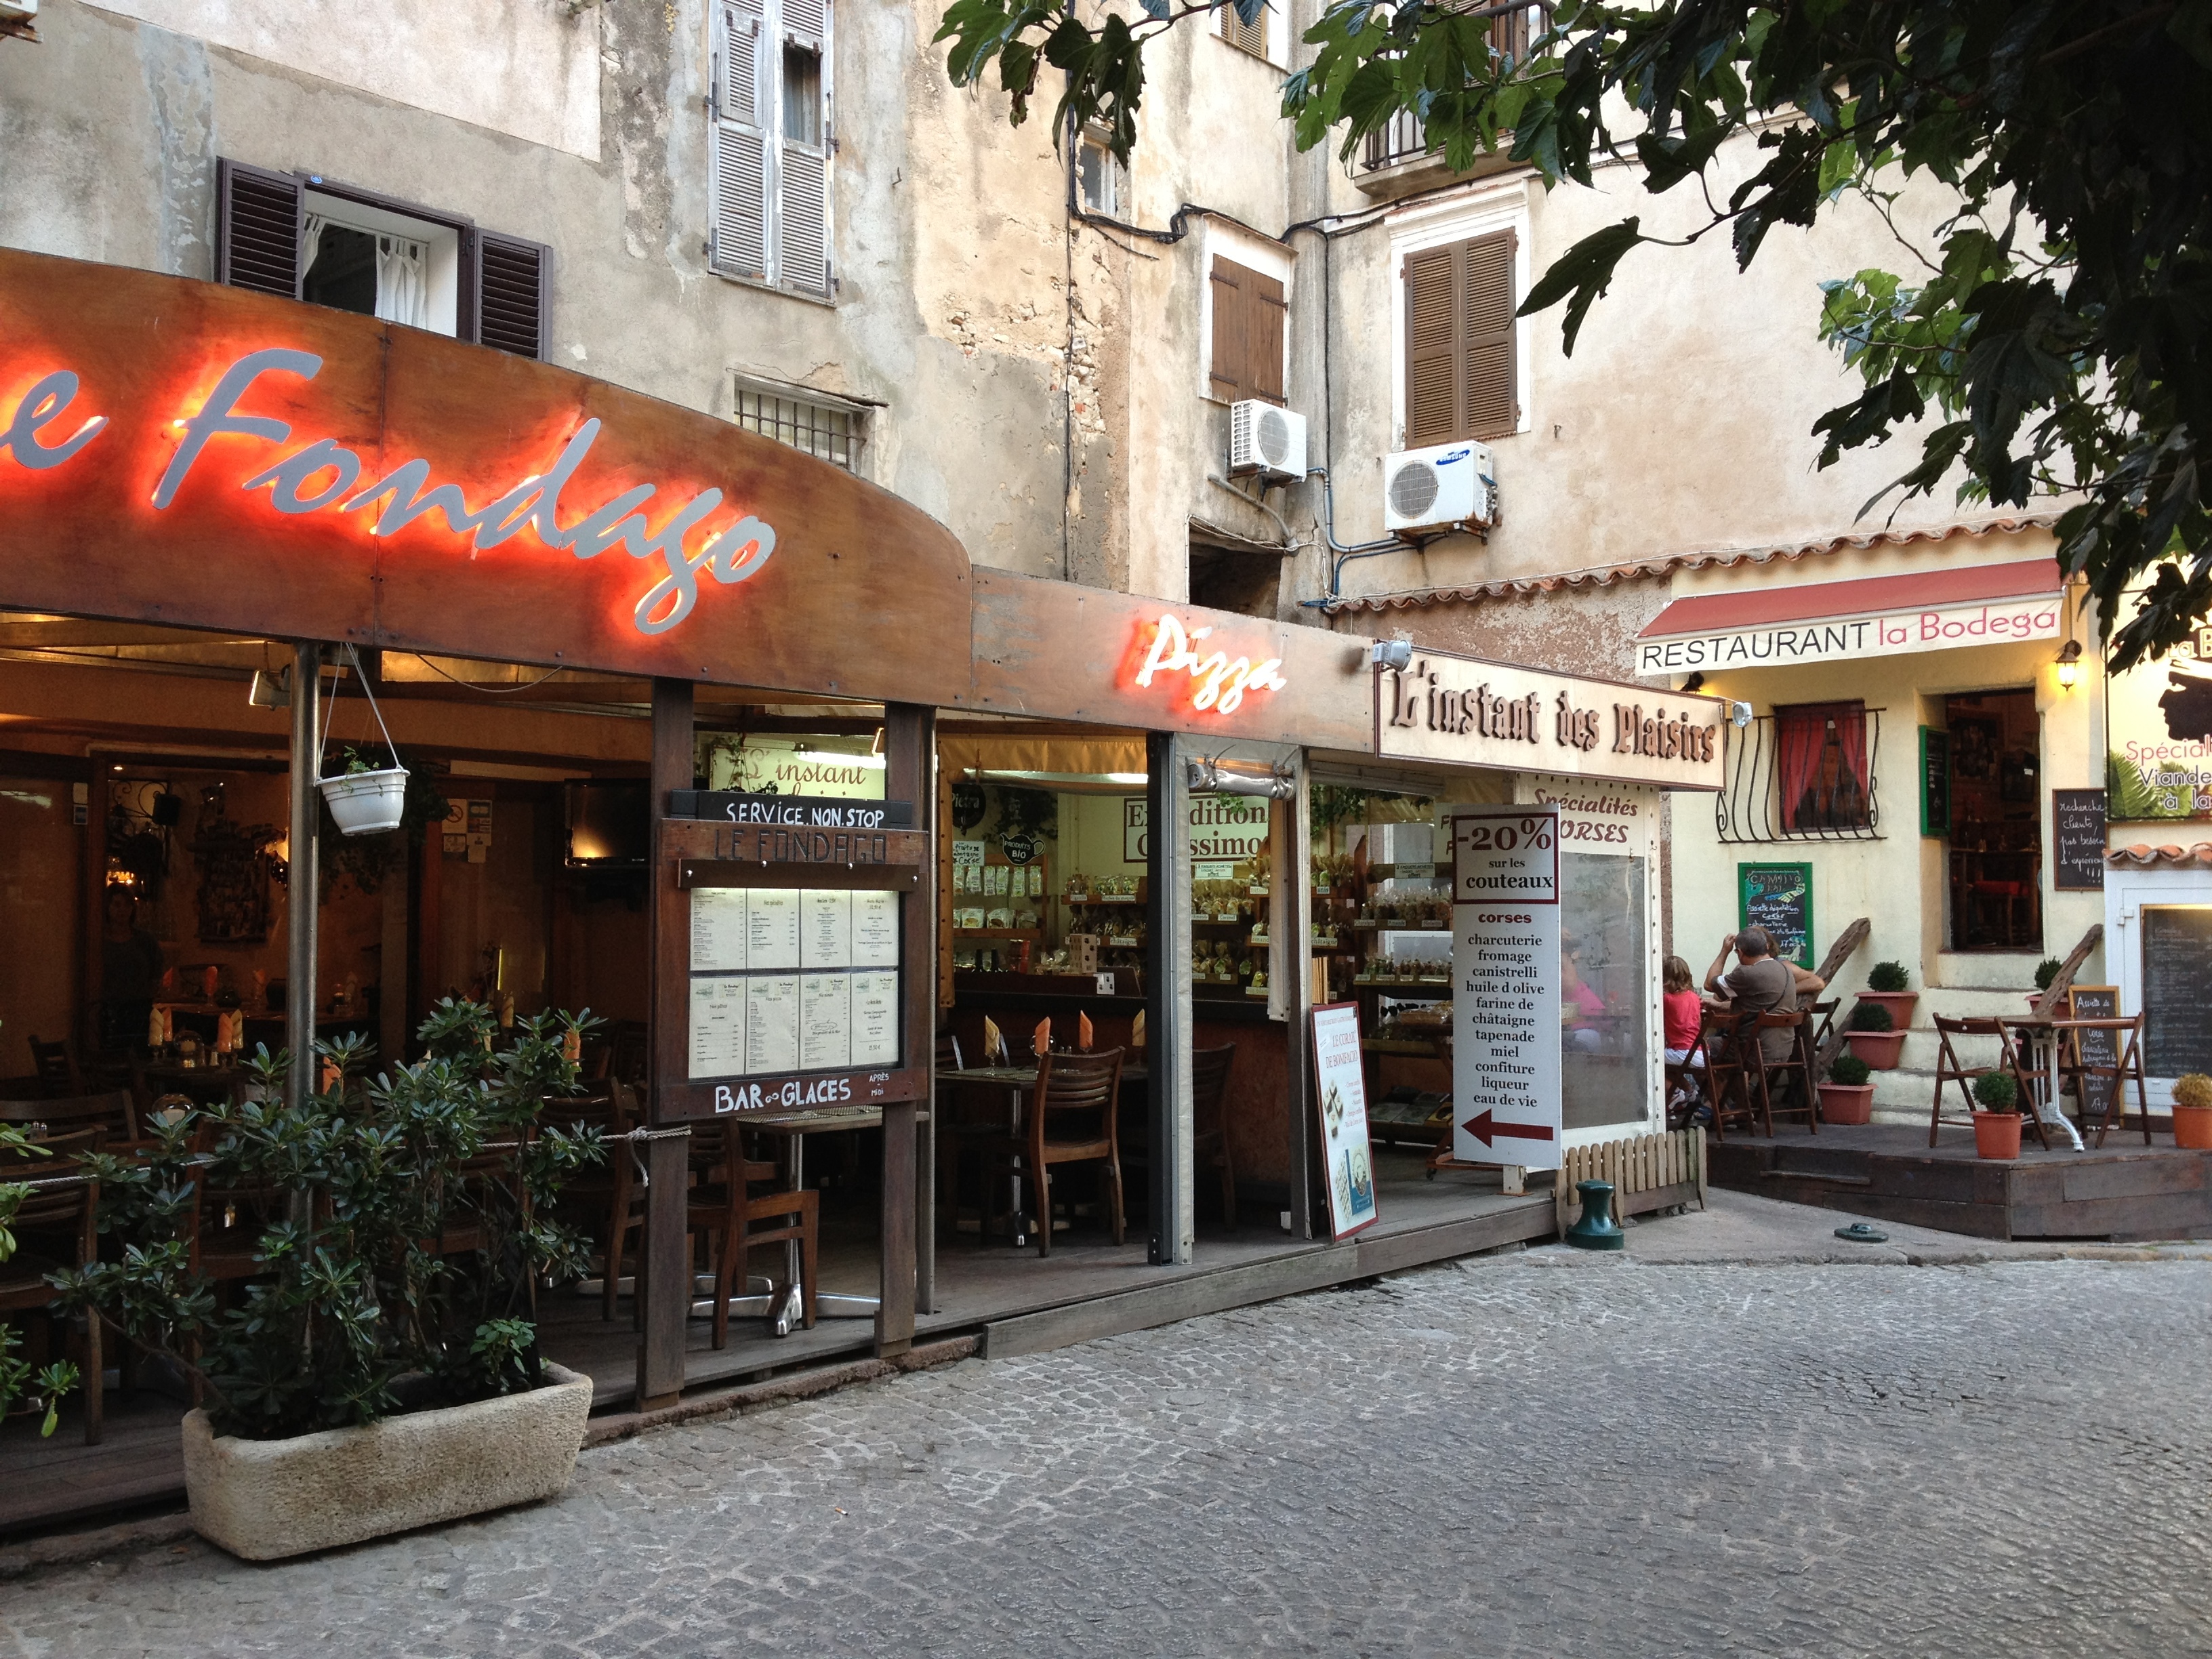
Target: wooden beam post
(1290,957)
(303,892)
(909,1224)
(664,1257)
(1831,964)
(1167,1002)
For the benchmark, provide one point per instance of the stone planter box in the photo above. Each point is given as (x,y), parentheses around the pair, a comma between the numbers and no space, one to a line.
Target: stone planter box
(267,1499)
(1880,1049)
(1900,1004)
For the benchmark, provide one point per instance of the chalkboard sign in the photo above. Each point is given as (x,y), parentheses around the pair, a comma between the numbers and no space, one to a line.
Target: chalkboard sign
(1935,781)
(2100,1049)
(2077,839)
(2176,978)
(1778,897)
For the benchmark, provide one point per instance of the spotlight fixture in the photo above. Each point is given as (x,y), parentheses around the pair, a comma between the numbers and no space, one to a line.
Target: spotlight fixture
(1393,653)
(269,690)
(1739,716)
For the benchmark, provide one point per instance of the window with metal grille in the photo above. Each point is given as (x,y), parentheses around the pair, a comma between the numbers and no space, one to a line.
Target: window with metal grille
(825,431)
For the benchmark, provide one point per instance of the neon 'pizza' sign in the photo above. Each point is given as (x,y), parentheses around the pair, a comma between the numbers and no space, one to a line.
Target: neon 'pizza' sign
(322,475)
(1218,682)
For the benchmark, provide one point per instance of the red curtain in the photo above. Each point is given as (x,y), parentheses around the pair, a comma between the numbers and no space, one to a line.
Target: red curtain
(1821,766)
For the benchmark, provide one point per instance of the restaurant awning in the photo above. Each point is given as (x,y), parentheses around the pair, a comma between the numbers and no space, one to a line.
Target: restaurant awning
(1871,617)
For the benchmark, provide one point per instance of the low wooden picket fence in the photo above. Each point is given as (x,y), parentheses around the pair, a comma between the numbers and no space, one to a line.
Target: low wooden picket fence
(1648,1172)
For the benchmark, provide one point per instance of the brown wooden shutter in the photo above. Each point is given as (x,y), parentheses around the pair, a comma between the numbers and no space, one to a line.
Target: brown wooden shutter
(1265,315)
(260,223)
(1250,36)
(513,283)
(1225,377)
(1460,381)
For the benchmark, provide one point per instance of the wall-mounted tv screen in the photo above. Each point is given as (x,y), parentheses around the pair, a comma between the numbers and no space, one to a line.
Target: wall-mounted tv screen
(610,823)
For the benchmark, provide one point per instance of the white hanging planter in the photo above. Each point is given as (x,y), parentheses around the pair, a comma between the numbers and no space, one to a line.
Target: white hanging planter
(368,803)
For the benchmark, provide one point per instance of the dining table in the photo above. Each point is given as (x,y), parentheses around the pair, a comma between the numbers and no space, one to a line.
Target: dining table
(758,1297)
(2039,1038)
(1018,1081)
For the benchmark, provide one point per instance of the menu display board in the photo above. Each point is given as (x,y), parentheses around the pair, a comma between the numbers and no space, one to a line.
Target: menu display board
(2077,839)
(793,980)
(2100,1049)
(2177,979)
(1778,897)
(1507,1104)
(1340,1090)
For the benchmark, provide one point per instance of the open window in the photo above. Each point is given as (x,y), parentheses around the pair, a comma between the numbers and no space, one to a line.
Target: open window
(774,135)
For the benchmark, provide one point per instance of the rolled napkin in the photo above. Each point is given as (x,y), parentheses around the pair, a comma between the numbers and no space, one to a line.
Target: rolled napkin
(1043,1040)
(1137,1031)
(994,1041)
(1083,1032)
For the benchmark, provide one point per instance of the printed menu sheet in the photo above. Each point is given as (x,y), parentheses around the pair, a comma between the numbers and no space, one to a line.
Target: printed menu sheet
(825,1023)
(875,930)
(772,1012)
(772,929)
(826,935)
(718,930)
(875,1018)
(718,1027)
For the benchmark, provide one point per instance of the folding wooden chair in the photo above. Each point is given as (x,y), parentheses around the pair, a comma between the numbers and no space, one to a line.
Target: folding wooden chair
(1792,1075)
(1728,1072)
(1949,1069)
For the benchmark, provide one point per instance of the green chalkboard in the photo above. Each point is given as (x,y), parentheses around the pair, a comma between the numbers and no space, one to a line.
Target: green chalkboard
(1779,898)
(1935,781)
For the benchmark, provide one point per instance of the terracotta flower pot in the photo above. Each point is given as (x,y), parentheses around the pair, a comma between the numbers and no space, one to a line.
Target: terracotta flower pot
(1900,1004)
(2192,1127)
(1847,1102)
(1880,1049)
(1996,1134)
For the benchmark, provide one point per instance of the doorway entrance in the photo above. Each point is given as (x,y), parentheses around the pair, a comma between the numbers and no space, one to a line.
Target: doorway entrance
(1996,821)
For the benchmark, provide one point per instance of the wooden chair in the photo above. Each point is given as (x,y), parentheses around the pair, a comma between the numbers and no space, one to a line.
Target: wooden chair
(1949,1069)
(56,1068)
(1072,1117)
(587,1196)
(114,1114)
(736,1218)
(625,1202)
(1723,1035)
(1791,1075)
(1820,1022)
(2088,1074)
(63,1216)
(1209,1139)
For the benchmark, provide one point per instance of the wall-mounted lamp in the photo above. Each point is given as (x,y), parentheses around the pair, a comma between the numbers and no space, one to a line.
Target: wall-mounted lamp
(2070,665)
(270,690)
(1393,653)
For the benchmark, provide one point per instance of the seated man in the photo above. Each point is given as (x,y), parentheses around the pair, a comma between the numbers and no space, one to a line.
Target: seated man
(1761,983)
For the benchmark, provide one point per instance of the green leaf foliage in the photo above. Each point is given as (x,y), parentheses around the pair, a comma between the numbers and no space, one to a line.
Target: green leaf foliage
(1847,1068)
(1870,1017)
(2051,345)
(1889,977)
(1996,1091)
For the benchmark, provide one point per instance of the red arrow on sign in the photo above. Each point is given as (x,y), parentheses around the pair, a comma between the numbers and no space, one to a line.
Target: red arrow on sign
(1489,1131)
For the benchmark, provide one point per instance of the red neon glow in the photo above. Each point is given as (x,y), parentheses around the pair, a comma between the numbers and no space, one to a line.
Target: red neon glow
(1217,682)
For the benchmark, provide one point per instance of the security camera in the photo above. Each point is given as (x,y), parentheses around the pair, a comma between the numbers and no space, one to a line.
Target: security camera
(1393,653)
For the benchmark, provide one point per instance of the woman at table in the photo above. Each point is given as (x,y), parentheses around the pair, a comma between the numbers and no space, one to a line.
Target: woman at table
(1581,1007)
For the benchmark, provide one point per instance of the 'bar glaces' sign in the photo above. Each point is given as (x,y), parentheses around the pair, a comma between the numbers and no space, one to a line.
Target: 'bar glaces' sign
(322,475)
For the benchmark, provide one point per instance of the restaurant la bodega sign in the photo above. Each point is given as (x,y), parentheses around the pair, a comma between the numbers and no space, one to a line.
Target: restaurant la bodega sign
(179,452)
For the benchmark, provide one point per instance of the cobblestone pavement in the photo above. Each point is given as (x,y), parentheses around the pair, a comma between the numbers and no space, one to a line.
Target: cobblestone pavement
(1534,1455)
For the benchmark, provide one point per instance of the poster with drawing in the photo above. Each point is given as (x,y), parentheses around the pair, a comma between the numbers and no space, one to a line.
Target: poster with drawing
(1340,1088)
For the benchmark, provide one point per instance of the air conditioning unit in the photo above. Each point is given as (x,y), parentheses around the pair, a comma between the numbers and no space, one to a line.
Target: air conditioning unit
(18,11)
(1440,488)
(1266,439)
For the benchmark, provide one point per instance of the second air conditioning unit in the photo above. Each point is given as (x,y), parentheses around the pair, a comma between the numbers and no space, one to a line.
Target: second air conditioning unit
(1443,487)
(1266,439)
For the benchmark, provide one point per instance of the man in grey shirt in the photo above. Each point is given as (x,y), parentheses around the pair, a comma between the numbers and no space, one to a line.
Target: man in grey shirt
(1761,983)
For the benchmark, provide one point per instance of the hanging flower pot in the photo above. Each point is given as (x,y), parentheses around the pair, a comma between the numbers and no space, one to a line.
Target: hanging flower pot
(366,803)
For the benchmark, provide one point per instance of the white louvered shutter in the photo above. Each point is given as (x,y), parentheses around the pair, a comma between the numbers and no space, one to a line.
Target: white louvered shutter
(742,108)
(803,245)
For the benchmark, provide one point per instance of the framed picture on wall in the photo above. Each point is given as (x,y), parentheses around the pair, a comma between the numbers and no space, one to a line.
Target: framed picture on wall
(1976,741)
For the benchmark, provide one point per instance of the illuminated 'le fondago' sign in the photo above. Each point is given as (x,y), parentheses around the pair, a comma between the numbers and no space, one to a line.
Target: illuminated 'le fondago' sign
(45,429)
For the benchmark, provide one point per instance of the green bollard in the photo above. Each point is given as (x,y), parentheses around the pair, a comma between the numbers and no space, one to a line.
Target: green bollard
(1597,1229)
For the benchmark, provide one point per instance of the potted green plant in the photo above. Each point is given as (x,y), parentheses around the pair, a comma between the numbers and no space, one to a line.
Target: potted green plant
(381,1372)
(24,1389)
(1996,1116)
(2045,971)
(1871,1033)
(2192,1111)
(1888,983)
(1846,1096)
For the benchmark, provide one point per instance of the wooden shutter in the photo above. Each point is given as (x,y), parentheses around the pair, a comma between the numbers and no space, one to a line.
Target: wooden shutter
(1250,319)
(738,240)
(1460,380)
(260,223)
(1264,319)
(1250,36)
(514,281)
(1225,375)
(803,247)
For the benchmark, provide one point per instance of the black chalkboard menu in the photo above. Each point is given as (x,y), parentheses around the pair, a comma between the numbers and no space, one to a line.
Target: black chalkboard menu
(2176,978)
(1935,781)
(1778,897)
(2100,1048)
(2077,839)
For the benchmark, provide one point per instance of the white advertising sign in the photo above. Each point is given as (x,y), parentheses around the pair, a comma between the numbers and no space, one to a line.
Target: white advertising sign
(1340,1086)
(1506,1101)
(1840,639)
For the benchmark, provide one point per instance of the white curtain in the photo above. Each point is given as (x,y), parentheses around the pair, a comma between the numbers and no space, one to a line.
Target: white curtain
(402,282)
(311,242)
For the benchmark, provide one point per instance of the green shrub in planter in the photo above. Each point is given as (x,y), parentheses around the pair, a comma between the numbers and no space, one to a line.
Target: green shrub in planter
(1871,1016)
(2045,971)
(2193,1090)
(1889,976)
(1848,1069)
(1996,1091)
(362,1309)
(43,1388)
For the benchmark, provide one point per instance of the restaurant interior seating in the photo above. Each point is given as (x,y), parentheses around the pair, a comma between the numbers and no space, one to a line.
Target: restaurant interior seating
(57,1226)
(56,1067)
(1072,1116)
(739,1205)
